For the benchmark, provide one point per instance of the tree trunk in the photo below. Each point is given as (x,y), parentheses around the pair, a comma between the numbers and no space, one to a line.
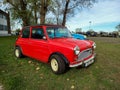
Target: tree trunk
(35,13)
(57,21)
(25,22)
(35,16)
(65,12)
(43,10)
(24,16)
(42,16)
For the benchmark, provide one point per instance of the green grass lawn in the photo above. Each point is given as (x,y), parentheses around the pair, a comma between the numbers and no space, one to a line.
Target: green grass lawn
(21,74)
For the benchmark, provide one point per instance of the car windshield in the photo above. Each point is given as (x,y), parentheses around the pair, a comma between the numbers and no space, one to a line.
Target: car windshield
(58,32)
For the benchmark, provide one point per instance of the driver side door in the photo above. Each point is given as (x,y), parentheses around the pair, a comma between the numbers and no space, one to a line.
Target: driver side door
(39,46)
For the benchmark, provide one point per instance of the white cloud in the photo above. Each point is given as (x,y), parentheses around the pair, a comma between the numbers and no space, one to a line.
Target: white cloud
(106,11)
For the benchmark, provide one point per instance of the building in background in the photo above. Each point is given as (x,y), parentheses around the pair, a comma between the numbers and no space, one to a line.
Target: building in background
(4,24)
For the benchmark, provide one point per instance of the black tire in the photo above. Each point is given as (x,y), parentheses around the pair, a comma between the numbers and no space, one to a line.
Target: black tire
(57,64)
(18,52)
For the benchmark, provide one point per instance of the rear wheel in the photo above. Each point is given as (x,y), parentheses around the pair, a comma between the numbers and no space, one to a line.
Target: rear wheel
(57,64)
(18,52)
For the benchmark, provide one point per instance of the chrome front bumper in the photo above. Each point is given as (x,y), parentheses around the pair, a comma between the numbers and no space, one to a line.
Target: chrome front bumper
(85,62)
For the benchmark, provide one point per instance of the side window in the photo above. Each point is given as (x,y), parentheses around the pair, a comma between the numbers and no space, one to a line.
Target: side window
(25,33)
(50,32)
(37,33)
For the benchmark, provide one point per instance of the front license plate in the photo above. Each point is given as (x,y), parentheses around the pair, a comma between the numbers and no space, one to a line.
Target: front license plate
(87,63)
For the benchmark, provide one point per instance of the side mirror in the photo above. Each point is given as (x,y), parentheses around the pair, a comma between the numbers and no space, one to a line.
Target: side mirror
(44,38)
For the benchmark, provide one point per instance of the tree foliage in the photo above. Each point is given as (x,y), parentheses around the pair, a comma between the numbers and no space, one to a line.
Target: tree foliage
(118,27)
(19,10)
(57,10)
(29,11)
(67,8)
(34,6)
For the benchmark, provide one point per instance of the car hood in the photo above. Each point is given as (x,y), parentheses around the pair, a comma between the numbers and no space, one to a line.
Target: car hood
(71,43)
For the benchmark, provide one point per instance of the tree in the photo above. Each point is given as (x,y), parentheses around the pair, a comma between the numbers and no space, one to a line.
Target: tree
(72,5)
(34,6)
(65,12)
(50,20)
(28,10)
(19,10)
(43,10)
(69,7)
(118,27)
(78,30)
(56,8)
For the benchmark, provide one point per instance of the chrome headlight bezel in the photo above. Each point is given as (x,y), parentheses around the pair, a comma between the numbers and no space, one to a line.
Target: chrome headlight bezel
(76,50)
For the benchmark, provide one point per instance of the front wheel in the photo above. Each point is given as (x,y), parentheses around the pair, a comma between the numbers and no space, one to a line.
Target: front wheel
(57,64)
(18,52)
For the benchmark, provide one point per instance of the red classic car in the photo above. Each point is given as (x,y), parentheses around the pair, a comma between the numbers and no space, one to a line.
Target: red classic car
(53,44)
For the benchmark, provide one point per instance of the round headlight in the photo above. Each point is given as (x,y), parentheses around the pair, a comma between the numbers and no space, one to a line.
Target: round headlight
(76,50)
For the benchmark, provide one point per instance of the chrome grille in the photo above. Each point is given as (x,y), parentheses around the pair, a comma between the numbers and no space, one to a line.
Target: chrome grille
(85,54)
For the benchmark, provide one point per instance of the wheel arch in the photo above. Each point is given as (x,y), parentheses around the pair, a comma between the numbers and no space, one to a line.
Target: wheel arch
(61,55)
(19,47)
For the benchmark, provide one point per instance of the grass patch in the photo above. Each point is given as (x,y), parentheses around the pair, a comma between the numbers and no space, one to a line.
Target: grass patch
(21,74)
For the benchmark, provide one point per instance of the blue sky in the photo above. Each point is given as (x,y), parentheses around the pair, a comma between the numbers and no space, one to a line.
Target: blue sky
(104,16)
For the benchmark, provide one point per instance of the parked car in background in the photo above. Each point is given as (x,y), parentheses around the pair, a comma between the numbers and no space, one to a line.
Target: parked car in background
(115,34)
(91,34)
(53,44)
(104,34)
(79,36)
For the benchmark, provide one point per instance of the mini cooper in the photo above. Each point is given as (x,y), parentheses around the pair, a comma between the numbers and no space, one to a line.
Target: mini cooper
(53,44)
